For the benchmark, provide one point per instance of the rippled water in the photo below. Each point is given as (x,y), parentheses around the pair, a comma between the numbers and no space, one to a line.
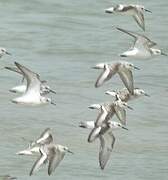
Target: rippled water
(61,40)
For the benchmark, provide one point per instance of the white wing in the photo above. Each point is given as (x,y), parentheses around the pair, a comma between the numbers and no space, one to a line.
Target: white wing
(127,78)
(105,76)
(33,82)
(139,39)
(45,137)
(94,134)
(102,116)
(139,18)
(121,114)
(14,69)
(55,157)
(106,145)
(40,161)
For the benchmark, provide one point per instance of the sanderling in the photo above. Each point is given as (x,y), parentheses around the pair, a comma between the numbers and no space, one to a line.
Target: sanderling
(124,69)
(50,152)
(136,11)
(142,48)
(44,89)
(32,95)
(106,137)
(124,94)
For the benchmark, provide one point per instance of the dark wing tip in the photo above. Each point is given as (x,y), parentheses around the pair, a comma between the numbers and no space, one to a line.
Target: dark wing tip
(97,84)
(6,67)
(90,138)
(16,63)
(49,172)
(31,173)
(102,165)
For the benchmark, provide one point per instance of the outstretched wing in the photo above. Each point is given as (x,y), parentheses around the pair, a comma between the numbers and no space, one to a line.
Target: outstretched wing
(106,145)
(33,81)
(105,76)
(55,157)
(40,161)
(94,134)
(102,116)
(139,39)
(121,114)
(139,18)
(127,78)
(45,137)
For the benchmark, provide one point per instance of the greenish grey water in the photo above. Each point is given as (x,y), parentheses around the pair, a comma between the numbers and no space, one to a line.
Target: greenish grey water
(61,40)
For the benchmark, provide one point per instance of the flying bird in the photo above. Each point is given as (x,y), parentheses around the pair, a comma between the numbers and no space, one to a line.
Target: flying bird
(143,47)
(124,69)
(136,11)
(32,95)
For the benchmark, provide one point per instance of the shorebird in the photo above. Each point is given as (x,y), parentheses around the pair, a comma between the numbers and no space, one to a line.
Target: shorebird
(107,140)
(52,153)
(107,111)
(106,137)
(49,152)
(32,95)
(124,94)
(34,146)
(3,52)
(44,89)
(91,124)
(142,47)
(136,11)
(124,69)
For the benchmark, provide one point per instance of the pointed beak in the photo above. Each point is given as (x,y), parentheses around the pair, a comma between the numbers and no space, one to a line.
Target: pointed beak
(164,54)
(124,128)
(8,53)
(145,94)
(148,10)
(52,91)
(70,151)
(95,67)
(137,68)
(53,103)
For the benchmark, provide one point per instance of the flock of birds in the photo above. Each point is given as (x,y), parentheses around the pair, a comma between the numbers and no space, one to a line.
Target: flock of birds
(143,48)
(34,92)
